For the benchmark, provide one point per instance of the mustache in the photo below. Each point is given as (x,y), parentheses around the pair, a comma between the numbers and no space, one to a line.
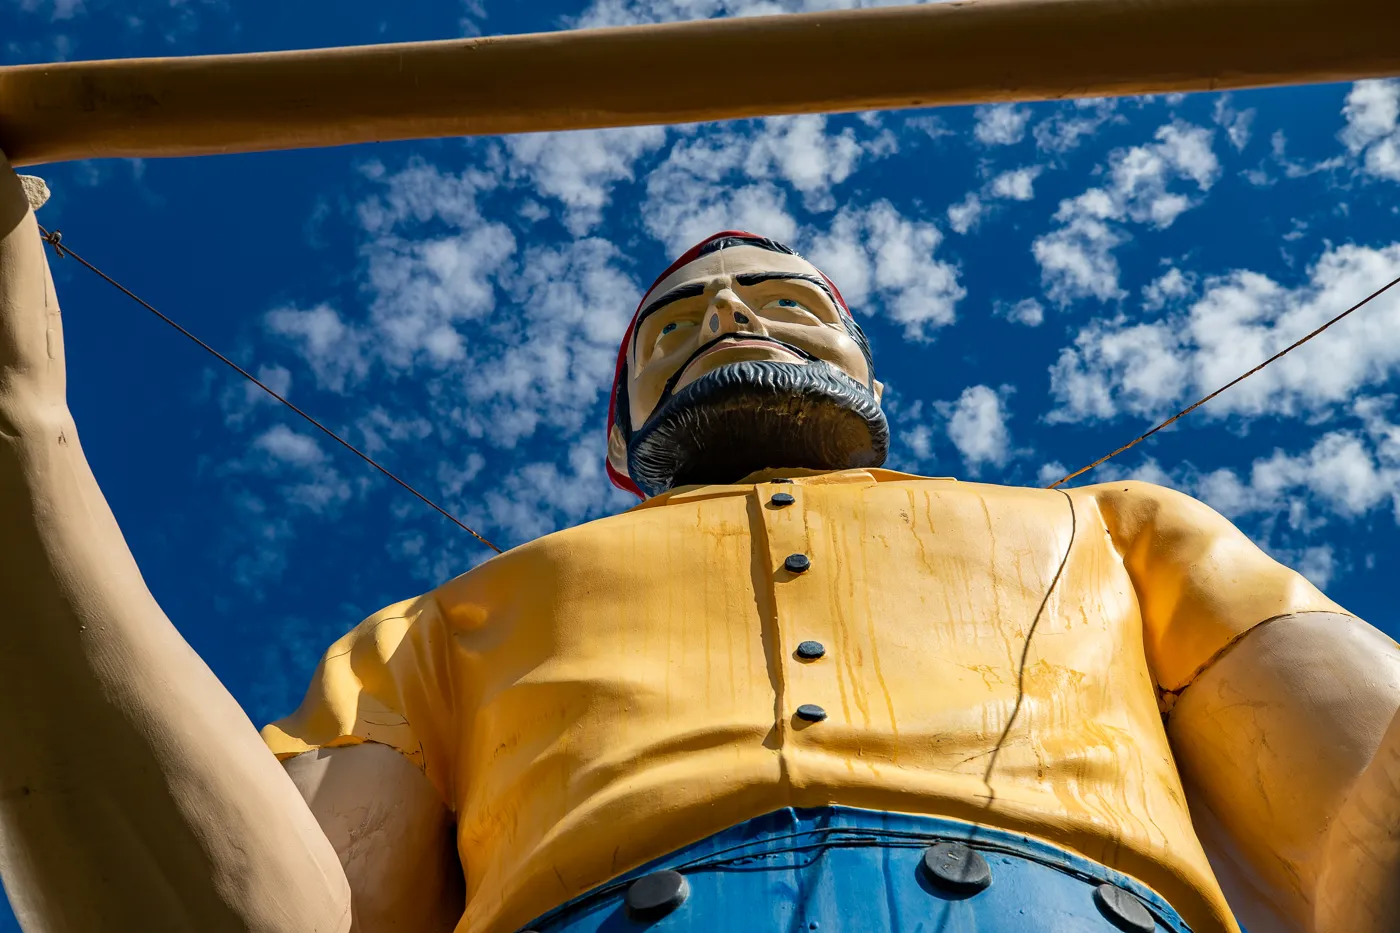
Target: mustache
(754,414)
(670,387)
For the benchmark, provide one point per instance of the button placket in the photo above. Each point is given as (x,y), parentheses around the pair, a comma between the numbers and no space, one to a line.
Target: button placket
(796,569)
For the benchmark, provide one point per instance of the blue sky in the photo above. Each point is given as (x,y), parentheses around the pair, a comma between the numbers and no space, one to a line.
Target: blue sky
(1040,284)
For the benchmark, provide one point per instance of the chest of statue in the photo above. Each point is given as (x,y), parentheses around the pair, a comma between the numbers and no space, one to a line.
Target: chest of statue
(847,626)
(919,646)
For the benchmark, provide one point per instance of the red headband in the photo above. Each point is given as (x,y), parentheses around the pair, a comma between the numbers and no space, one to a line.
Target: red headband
(621,480)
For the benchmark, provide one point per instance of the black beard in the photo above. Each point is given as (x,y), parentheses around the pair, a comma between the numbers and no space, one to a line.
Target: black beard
(757,415)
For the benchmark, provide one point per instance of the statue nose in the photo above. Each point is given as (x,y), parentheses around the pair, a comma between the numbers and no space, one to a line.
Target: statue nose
(728,314)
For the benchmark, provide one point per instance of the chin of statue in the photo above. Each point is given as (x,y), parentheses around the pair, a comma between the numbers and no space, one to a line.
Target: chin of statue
(756,415)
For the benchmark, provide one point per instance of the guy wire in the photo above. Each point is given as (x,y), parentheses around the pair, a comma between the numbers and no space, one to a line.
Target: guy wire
(1231,384)
(55,239)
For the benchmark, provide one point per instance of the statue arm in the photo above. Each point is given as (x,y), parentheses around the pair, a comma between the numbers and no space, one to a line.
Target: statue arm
(134,792)
(1289,748)
(395,837)
(1281,712)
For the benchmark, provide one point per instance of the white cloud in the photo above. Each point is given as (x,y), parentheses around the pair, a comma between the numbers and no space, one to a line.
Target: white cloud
(876,255)
(425,287)
(1317,563)
(241,400)
(1346,474)
(421,192)
(431,257)
(681,210)
(380,431)
(539,496)
(551,363)
(1237,124)
(288,446)
(974,424)
(1076,259)
(965,214)
(932,126)
(1168,288)
(311,482)
(1073,123)
(919,440)
(1001,124)
(580,169)
(1027,311)
(502,345)
(334,350)
(801,152)
(1119,366)
(1372,133)
(977,428)
(694,193)
(1015,185)
(732,178)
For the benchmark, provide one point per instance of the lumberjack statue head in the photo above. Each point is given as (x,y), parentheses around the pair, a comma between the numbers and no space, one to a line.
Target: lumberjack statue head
(742,357)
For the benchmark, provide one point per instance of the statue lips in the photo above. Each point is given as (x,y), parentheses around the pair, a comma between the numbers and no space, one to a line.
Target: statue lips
(733,342)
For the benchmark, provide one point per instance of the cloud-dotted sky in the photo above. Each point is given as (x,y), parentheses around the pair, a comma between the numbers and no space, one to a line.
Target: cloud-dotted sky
(1040,283)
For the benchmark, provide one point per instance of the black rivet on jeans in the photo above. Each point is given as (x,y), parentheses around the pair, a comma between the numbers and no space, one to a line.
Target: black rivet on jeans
(811,712)
(811,650)
(782,499)
(957,867)
(1123,909)
(797,563)
(653,896)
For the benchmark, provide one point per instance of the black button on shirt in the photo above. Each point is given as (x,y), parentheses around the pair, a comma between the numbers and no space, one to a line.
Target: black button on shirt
(797,563)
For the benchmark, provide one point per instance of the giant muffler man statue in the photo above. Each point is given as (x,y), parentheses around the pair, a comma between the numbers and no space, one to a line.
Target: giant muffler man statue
(788,691)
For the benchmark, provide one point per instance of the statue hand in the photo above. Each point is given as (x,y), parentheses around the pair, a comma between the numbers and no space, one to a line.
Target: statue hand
(32,374)
(31,334)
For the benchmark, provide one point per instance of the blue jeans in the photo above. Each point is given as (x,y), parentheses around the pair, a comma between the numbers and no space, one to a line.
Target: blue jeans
(842,870)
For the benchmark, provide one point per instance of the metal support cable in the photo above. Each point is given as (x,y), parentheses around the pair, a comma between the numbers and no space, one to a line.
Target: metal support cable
(55,239)
(1229,385)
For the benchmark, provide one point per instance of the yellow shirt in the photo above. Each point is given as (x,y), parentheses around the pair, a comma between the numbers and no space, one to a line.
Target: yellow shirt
(610,693)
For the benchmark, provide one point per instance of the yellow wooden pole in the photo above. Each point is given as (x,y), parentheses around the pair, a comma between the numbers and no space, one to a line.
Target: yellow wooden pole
(969,51)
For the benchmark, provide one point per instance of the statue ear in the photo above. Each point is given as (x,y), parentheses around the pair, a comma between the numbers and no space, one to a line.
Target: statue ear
(617,450)
(879,388)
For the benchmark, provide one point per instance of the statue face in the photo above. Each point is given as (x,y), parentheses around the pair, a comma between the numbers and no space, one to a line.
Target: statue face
(741,303)
(739,361)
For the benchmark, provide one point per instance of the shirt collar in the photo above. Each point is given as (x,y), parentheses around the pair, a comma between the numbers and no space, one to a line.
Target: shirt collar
(747,485)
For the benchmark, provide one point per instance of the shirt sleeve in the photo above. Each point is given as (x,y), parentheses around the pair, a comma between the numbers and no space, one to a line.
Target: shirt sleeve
(1201,583)
(386,681)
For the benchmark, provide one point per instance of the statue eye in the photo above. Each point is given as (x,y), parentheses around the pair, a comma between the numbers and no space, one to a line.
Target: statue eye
(672,327)
(787,304)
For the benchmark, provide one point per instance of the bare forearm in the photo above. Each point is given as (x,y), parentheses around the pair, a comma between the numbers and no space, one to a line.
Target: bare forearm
(1358,887)
(134,792)
(1289,742)
(125,764)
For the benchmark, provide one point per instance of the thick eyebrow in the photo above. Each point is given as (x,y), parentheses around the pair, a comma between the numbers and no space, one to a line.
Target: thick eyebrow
(755,278)
(674,295)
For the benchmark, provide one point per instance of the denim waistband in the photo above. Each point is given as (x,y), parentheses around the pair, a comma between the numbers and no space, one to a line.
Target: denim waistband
(863,871)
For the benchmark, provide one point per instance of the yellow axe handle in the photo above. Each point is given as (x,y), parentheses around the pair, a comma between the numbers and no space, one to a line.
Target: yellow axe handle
(962,52)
